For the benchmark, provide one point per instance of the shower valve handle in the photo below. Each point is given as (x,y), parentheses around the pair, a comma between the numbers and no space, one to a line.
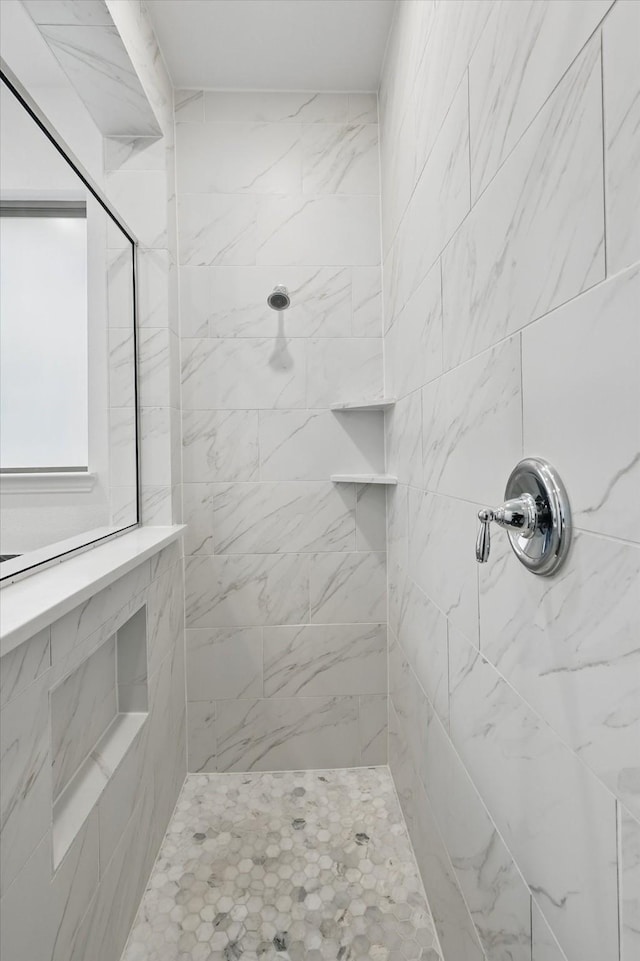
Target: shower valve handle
(520,514)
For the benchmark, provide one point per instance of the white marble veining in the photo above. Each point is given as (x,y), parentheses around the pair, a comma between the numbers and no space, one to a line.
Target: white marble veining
(521,57)
(82,707)
(535,238)
(287,733)
(243,374)
(311,445)
(219,445)
(600,400)
(495,891)
(548,637)
(314,660)
(453,922)
(413,341)
(340,159)
(24,665)
(525,773)
(338,369)
(94,57)
(544,946)
(281,517)
(220,106)
(235,302)
(217,229)
(236,158)
(422,634)
(246,589)
(366,291)
(621,86)
(224,663)
(457,433)
(403,434)
(442,532)
(348,587)
(629,886)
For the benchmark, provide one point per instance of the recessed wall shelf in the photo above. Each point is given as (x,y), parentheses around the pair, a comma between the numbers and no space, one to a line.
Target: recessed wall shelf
(383,403)
(388,479)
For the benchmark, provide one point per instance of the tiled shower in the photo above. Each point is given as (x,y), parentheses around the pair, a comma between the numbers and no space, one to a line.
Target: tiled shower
(308,724)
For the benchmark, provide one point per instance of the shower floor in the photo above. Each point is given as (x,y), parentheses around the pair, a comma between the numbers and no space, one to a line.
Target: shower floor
(301,866)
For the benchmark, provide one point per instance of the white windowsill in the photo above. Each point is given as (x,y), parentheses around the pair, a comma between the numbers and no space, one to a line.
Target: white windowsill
(58,482)
(30,605)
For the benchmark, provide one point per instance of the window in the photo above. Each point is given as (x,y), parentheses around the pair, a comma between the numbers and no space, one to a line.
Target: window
(43,337)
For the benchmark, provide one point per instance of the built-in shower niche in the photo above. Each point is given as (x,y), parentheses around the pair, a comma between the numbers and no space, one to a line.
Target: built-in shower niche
(96,714)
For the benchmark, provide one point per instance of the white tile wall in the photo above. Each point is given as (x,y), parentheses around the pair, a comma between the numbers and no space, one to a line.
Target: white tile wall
(281,189)
(509,148)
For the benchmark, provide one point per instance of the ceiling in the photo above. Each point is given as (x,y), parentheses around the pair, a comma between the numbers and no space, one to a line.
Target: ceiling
(273,44)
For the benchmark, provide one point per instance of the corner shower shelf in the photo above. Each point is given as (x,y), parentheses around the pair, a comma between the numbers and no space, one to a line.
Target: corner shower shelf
(383,403)
(388,479)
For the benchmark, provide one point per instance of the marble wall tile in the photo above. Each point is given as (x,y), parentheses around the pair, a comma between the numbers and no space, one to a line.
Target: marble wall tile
(201,737)
(70,12)
(121,367)
(422,634)
(165,621)
(312,445)
(236,158)
(118,800)
(224,663)
(348,588)
(403,438)
(195,301)
(134,153)
(371,516)
(629,830)
(366,288)
(456,931)
(536,236)
(140,197)
(96,61)
(621,86)
(316,660)
(217,229)
(413,341)
(82,707)
(101,611)
(521,57)
(24,665)
(595,402)
(320,302)
(442,534)
(243,374)
(197,514)
(441,67)
(188,106)
(153,305)
(328,230)
(469,411)
(340,370)
(283,517)
(154,367)
(573,640)
(155,430)
(544,946)
(73,885)
(291,107)
(338,159)
(246,590)
(287,733)
(398,173)
(122,434)
(525,774)
(26,783)
(219,445)
(496,894)
(441,199)
(363,108)
(373,710)
(19,935)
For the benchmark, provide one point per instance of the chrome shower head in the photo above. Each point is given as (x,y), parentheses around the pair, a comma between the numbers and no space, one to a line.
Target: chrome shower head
(279,298)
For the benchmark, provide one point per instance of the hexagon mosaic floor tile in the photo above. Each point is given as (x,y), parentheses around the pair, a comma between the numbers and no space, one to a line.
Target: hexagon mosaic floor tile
(301,866)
